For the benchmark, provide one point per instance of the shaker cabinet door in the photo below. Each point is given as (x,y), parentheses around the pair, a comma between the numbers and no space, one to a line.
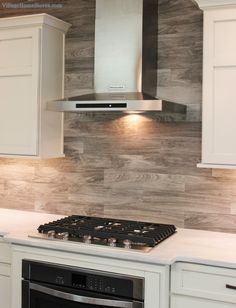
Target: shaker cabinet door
(219,91)
(19,86)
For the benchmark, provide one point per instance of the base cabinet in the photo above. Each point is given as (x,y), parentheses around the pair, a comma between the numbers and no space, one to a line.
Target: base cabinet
(156,289)
(196,286)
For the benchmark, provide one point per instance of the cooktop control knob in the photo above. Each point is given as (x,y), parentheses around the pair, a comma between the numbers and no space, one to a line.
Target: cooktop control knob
(51,234)
(87,239)
(64,236)
(127,244)
(112,241)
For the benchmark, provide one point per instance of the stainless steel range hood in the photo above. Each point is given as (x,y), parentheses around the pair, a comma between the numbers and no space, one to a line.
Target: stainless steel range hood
(125,77)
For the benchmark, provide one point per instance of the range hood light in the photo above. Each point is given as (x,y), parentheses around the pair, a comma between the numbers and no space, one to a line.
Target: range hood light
(133,112)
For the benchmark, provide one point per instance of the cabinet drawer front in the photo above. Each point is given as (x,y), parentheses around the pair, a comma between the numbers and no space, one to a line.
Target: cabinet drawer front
(204,281)
(5,253)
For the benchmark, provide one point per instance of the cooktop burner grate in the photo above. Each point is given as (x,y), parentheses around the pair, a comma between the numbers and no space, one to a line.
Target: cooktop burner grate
(111,232)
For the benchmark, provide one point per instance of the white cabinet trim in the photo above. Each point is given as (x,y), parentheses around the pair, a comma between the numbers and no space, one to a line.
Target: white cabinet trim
(34,20)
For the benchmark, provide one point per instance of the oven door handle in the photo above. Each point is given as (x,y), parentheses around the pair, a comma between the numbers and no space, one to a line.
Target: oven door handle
(85,299)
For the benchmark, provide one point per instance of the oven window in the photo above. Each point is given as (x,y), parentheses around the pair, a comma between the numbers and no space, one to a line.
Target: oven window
(39,300)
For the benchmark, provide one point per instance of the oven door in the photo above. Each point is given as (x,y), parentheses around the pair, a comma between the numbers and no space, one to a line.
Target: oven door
(35,295)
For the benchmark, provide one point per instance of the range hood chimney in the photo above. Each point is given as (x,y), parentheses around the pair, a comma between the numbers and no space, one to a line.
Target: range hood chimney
(125,76)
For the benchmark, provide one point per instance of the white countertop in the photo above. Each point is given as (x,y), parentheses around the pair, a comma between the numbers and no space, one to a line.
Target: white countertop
(21,222)
(203,247)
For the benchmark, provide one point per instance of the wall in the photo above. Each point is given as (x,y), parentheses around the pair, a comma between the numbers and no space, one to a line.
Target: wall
(180,54)
(128,166)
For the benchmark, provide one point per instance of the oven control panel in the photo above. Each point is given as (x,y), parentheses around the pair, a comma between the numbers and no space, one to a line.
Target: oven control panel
(102,284)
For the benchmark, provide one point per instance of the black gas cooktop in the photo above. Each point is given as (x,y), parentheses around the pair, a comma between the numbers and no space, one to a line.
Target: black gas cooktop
(104,231)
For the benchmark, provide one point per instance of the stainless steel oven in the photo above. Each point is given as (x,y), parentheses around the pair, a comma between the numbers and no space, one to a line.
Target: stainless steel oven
(46,285)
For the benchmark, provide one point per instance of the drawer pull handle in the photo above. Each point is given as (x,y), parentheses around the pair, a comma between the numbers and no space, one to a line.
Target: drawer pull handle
(228,286)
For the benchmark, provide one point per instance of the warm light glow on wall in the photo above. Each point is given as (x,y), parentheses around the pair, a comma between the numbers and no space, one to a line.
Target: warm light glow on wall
(133,123)
(134,119)
(133,129)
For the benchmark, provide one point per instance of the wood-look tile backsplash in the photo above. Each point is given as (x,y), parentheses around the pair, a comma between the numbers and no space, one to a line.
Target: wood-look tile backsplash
(128,166)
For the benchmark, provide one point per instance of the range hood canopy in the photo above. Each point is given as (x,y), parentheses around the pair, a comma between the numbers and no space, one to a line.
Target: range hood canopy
(115,102)
(125,76)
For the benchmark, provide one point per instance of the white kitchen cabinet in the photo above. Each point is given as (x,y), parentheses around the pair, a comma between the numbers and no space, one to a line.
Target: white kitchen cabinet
(219,91)
(195,286)
(31,73)
(5,274)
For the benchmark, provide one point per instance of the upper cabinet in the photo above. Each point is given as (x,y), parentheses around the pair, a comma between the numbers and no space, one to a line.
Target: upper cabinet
(31,74)
(219,84)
